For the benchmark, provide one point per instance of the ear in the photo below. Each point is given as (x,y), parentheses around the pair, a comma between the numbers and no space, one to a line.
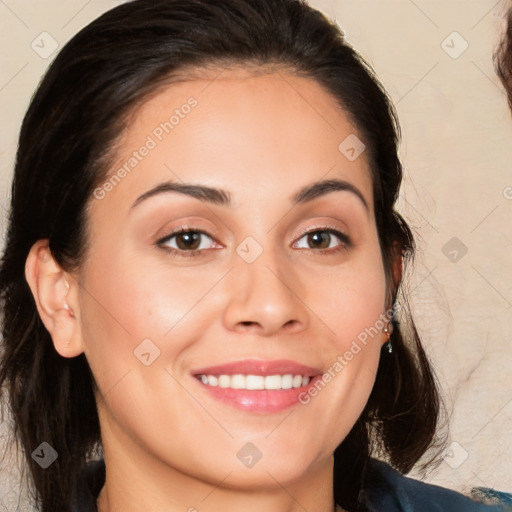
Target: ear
(56,295)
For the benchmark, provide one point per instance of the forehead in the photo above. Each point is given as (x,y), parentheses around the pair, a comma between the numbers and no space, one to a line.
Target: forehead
(250,132)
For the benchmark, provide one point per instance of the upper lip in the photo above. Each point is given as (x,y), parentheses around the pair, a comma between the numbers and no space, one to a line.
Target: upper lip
(259,367)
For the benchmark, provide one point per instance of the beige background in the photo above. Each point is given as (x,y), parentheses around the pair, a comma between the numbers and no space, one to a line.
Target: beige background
(457,151)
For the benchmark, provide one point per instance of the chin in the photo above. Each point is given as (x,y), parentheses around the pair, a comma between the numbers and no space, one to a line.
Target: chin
(251,468)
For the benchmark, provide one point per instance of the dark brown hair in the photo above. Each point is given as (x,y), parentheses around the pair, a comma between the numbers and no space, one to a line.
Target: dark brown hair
(65,146)
(503,59)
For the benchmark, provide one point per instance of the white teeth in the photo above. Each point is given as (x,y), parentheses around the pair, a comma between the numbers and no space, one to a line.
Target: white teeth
(255,382)
(224,381)
(297,381)
(287,381)
(238,381)
(273,382)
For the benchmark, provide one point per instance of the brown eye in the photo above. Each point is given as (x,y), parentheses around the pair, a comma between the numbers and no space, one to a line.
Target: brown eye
(186,241)
(324,239)
(319,239)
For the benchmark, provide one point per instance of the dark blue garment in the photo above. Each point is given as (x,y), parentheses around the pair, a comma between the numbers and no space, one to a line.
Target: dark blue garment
(387,491)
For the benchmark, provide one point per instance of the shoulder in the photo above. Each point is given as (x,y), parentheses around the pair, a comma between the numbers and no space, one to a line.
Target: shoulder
(388,490)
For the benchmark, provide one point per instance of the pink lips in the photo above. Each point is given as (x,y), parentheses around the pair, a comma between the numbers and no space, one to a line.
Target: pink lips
(258,367)
(263,401)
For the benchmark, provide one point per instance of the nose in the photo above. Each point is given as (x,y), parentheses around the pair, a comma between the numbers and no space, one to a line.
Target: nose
(265,297)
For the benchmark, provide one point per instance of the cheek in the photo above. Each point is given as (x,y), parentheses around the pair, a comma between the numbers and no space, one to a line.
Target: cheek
(351,304)
(359,318)
(125,302)
(350,299)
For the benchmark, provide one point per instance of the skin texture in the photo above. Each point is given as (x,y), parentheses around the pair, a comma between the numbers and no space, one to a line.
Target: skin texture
(168,444)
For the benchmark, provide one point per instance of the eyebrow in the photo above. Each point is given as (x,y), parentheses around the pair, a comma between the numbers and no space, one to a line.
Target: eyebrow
(223,198)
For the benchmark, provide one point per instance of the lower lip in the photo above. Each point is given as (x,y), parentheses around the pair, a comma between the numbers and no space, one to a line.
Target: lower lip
(264,401)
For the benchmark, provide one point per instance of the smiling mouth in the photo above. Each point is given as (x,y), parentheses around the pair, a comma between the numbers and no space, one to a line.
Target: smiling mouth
(257,386)
(255,382)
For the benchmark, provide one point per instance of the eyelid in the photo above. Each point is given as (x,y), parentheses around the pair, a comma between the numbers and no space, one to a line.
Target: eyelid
(184,228)
(322,227)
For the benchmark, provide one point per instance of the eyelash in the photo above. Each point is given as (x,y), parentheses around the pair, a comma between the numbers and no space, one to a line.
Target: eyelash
(345,241)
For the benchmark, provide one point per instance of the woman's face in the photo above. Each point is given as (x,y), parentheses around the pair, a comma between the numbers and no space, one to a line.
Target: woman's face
(168,320)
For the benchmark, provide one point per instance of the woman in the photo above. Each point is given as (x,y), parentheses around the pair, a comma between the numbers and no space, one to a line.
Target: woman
(202,272)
